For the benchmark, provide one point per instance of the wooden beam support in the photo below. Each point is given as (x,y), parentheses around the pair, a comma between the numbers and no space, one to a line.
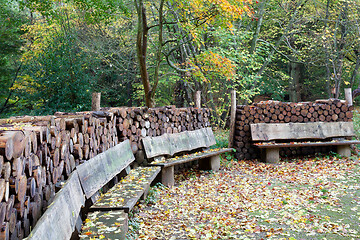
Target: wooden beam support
(348,96)
(211,163)
(197,99)
(95,103)
(232,119)
(344,150)
(272,155)
(167,176)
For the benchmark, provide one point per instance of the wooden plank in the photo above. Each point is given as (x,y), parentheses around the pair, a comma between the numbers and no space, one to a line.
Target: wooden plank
(106,225)
(197,139)
(157,146)
(125,194)
(179,142)
(59,220)
(232,118)
(309,130)
(307,144)
(191,157)
(210,138)
(99,170)
(169,144)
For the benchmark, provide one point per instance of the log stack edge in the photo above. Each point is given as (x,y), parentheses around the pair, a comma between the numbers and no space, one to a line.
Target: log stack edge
(38,153)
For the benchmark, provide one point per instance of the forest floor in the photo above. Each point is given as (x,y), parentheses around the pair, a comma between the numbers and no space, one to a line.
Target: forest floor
(314,197)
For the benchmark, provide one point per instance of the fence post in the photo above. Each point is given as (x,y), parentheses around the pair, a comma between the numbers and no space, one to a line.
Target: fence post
(197,99)
(348,96)
(95,103)
(232,118)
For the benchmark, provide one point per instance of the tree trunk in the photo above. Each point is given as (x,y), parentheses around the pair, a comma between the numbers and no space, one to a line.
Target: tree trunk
(141,48)
(279,41)
(355,75)
(258,27)
(294,82)
(339,63)
(158,51)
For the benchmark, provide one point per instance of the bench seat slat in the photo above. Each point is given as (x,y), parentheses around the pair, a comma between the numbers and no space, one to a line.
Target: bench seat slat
(107,225)
(306,144)
(125,194)
(188,158)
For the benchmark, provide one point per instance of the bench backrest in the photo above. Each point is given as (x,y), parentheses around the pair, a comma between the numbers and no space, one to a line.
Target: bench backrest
(297,131)
(59,220)
(169,144)
(98,171)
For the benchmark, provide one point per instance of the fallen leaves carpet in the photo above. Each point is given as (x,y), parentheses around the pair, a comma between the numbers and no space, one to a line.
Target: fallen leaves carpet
(315,198)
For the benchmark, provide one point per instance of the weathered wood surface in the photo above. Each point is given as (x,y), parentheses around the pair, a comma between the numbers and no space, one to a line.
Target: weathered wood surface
(95,102)
(210,138)
(190,157)
(105,225)
(169,144)
(296,131)
(156,146)
(197,139)
(59,220)
(125,194)
(232,118)
(99,170)
(12,143)
(179,142)
(308,144)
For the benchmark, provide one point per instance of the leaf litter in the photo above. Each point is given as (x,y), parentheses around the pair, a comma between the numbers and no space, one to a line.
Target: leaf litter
(309,198)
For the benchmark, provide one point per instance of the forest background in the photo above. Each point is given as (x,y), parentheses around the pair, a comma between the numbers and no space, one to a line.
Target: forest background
(55,53)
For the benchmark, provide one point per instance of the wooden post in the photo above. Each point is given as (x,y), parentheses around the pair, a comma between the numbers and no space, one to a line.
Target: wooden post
(197,99)
(95,104)
(272,155)
(211,163)
(348,96)
(232,118)
(344,150)
(167,176)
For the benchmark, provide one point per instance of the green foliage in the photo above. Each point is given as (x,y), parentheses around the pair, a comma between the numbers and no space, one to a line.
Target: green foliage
(59,78)
(11,20)
(222,138)
(96,41)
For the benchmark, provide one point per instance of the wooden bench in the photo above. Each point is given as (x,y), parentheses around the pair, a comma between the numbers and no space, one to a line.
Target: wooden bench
(162,149)
(62,217)
(270,137)
(110,209)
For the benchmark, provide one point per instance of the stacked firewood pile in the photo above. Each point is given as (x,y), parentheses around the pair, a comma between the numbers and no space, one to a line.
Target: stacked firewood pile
(38,153)
(331,110)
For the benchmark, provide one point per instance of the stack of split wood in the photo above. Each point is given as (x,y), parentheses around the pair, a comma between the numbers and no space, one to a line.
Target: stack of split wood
(331,110)
(38,153)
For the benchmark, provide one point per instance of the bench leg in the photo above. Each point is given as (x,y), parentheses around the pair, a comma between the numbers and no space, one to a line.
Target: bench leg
(272,155)
(344,150)
(211,163)
(167,176)
(146,192)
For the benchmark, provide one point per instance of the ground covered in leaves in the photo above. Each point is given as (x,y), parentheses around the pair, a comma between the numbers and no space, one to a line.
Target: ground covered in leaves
(315,198)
